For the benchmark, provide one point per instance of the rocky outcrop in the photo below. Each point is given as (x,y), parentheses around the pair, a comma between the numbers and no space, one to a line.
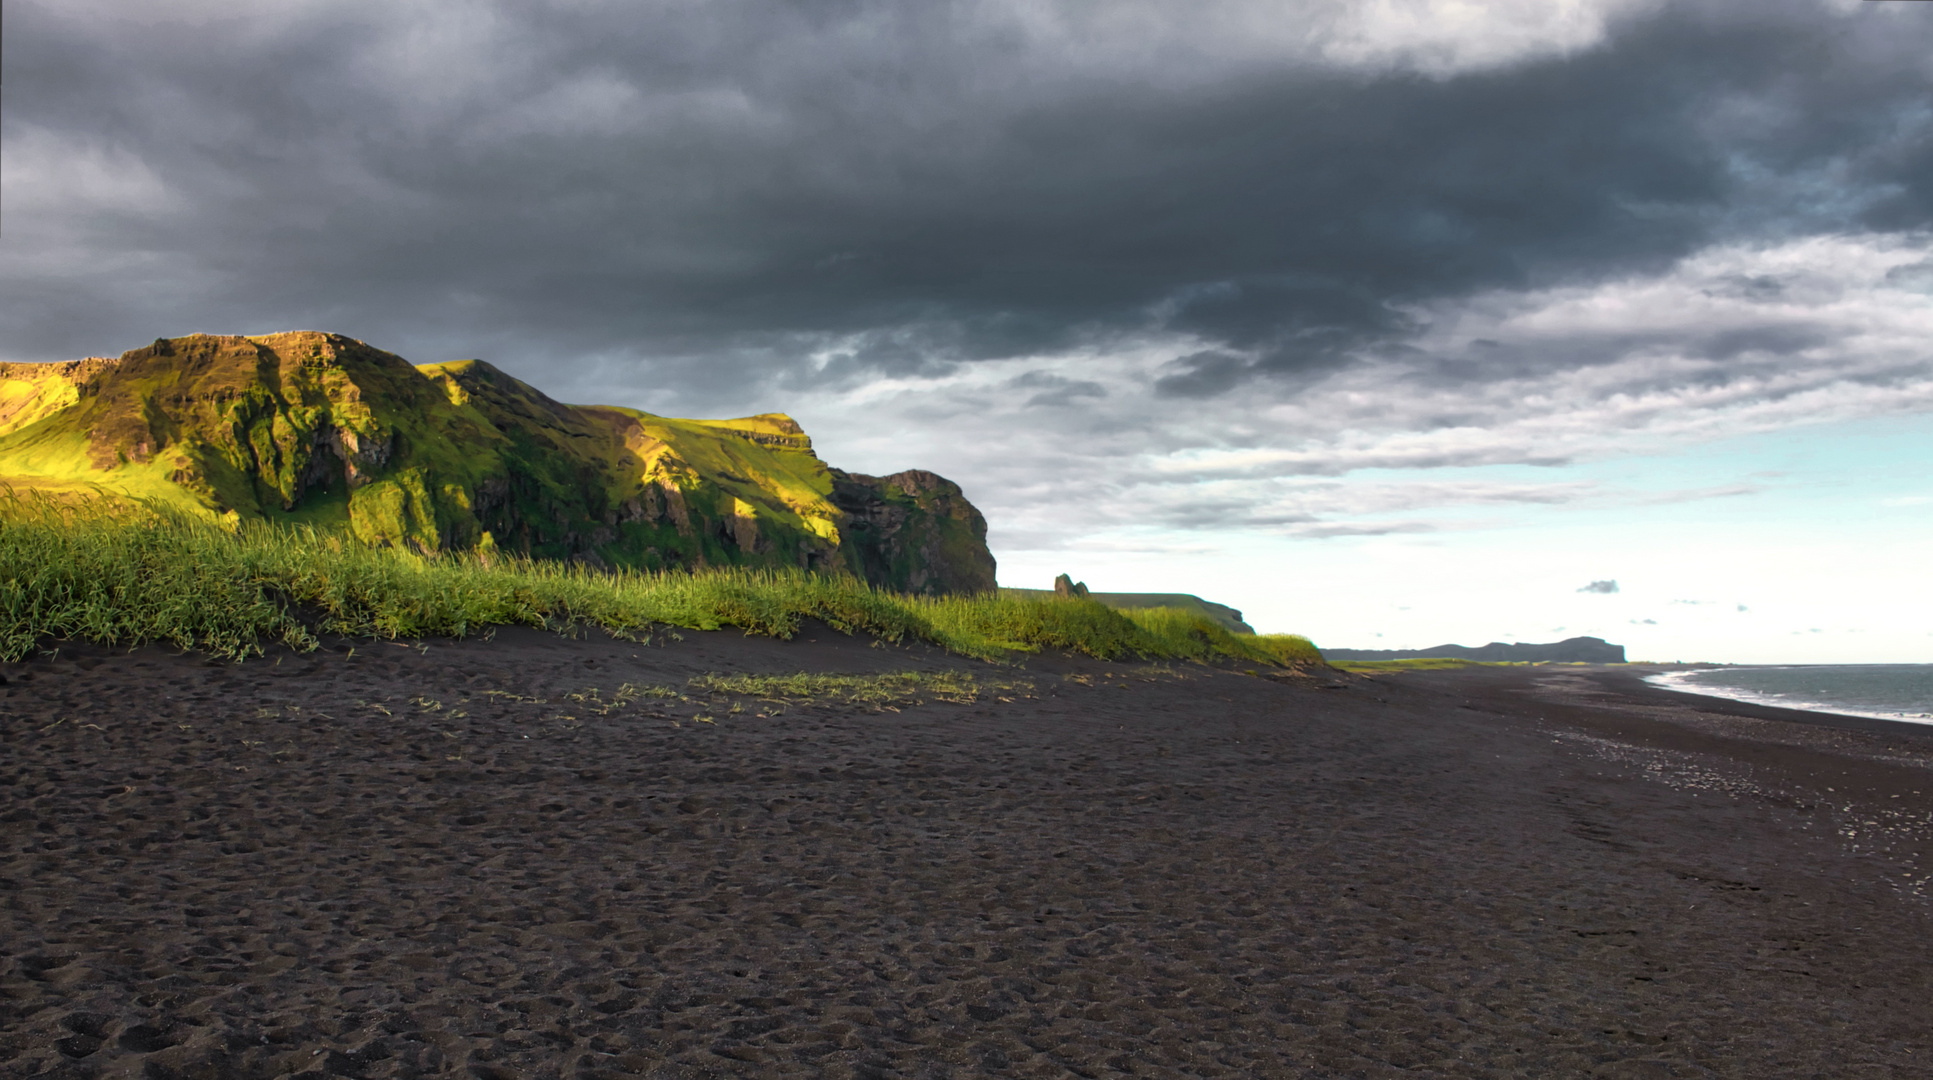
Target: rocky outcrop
(913,527)
(325,430)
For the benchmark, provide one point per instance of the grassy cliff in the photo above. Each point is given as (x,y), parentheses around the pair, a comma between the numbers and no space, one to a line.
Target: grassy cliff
(322,430)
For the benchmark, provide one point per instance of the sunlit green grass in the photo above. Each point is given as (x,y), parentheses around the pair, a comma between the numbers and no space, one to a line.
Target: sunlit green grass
(1187,635)
(129,577)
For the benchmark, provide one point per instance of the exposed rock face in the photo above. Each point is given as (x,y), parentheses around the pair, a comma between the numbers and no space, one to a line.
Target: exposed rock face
(914,527)
(325,430)
(1066,586)
(1585,650)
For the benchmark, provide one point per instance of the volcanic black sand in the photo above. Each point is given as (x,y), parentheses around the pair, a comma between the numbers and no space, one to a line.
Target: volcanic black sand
(396,862)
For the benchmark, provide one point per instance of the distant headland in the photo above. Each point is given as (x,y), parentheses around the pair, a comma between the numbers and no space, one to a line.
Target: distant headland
(1577,650)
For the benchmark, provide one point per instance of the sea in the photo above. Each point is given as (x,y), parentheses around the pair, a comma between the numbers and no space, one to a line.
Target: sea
(1881,691)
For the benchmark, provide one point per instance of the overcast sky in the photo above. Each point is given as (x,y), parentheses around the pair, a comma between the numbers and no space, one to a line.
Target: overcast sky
(1388,321)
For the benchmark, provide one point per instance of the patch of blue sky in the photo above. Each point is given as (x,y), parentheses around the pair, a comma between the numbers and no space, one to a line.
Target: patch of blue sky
(1801,545)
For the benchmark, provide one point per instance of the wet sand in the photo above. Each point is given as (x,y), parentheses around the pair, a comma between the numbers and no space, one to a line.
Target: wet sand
(435,862)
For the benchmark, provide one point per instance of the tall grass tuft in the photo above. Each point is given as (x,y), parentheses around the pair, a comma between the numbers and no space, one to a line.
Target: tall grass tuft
(123,579)
(131,577)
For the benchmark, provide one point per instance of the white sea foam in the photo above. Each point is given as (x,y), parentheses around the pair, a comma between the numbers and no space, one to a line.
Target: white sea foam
(1901,692)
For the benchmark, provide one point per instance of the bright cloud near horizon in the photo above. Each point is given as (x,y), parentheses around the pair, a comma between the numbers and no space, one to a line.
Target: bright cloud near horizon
(1395,323)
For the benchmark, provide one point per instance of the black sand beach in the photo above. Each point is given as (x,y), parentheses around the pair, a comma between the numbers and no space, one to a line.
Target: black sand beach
(396,863)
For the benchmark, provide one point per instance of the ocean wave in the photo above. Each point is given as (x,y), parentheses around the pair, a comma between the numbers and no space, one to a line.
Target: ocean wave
(1884,695)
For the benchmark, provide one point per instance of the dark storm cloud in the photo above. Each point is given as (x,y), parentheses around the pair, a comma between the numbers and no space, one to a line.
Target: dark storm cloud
(725,189)
(1916,276)
(1055,390)
(1202,374)
(1741,349)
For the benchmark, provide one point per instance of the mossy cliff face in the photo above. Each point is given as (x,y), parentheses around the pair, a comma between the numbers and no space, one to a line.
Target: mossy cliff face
(325,430)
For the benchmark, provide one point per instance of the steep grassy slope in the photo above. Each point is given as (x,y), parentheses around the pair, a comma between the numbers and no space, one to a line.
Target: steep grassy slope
(324,430)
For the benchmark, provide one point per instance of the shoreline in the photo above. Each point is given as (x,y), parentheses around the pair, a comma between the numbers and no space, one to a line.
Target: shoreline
(1666,680)
(485,858)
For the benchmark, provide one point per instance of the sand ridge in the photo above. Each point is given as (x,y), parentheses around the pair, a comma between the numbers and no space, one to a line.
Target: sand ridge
(316,867)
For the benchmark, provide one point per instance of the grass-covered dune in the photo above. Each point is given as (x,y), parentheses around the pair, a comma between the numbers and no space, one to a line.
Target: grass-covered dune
(1227,617)
(139,576)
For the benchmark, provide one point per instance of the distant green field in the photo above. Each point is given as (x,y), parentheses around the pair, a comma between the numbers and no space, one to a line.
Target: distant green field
(131,576)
